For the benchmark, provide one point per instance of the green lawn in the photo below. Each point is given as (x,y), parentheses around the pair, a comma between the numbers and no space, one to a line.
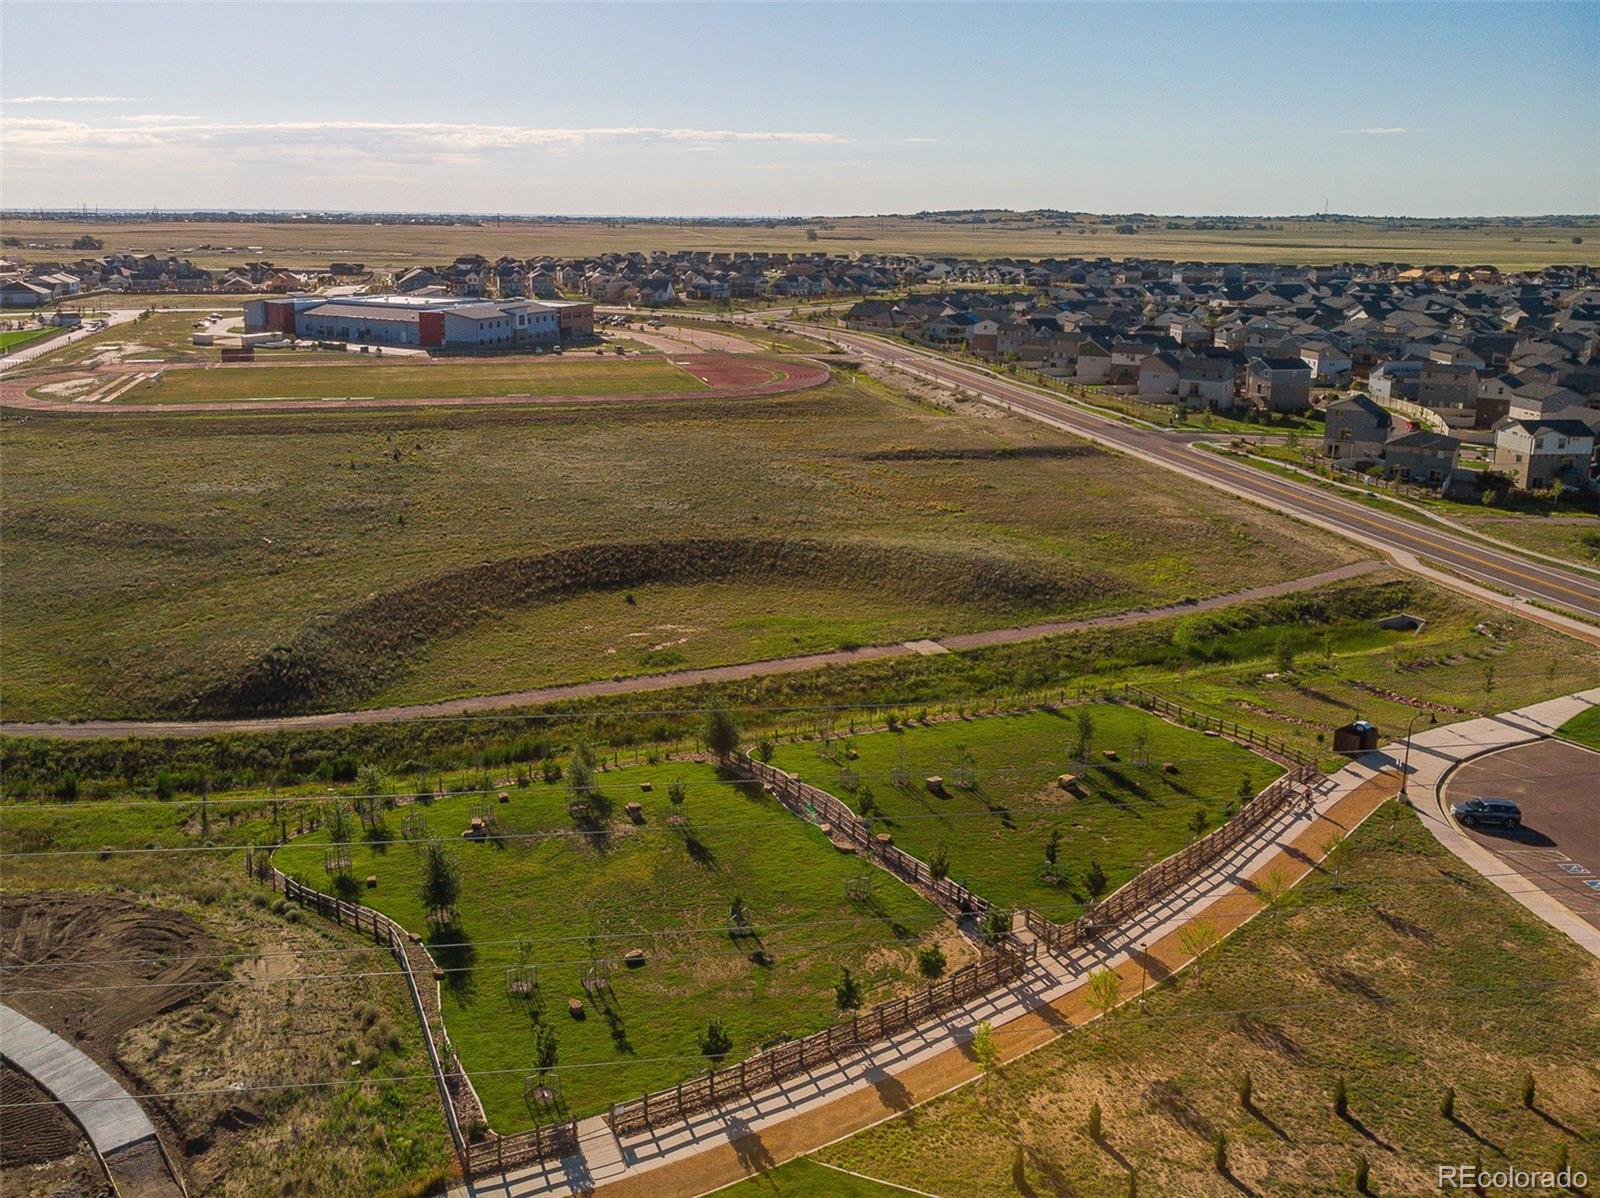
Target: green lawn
(652,887)
(391,381)
(1585,728)
(805,1178)
(171,565)
(1412,977)
(1129,815)
(15,338)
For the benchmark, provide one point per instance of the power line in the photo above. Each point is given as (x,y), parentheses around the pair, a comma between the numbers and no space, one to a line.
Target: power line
(758,929)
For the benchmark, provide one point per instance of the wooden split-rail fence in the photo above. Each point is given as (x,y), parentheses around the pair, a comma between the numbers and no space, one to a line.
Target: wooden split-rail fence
(811,803)
(1166,877)
(1177,713)
(461,1107)
(781,1062)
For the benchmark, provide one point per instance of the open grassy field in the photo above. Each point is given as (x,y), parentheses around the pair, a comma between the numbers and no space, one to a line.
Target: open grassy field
(1128,813)
(1402,974)
(299,244)
(420,381)
(1585,729)
(278,562)
(575,896)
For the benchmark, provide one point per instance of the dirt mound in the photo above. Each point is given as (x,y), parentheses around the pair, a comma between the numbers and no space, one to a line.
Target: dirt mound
(358,650)
(89,967)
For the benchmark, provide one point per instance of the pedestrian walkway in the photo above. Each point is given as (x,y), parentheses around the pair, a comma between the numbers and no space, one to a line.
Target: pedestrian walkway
(721,1146)
(110,1117)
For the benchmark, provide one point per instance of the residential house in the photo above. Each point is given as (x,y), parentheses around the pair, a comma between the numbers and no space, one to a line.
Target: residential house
(1537,453)
(1440,385)
(1357,428)
(1421,457)
(1330,365)
(1278,384)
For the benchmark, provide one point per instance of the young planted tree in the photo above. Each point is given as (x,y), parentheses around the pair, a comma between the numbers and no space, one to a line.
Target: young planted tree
(1198,937)
(1093,1123)
(1219,1152)
(722,734)
(441,883)
(677,792)
(1141,744)
(939,864)
(847,994)
(931,962)
(1052,847)
(1094,880)
(715,1043)
(1084,740)
(1105,990)
(984,1050)
(1198,821)
(1283,654)
(1341,1098)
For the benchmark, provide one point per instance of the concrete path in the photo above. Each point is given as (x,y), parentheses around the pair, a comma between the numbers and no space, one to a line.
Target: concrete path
(1434,756)
(110,1117)
(640,683)
(720,1146)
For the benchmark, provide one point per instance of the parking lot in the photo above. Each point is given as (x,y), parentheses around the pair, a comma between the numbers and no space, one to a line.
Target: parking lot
(1557,785)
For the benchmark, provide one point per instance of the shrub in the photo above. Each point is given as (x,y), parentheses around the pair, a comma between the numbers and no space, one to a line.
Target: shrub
(1093,1125)
(1341,1098)
(1094,880)
(931,961)
(1362,1173)
(1447,1104)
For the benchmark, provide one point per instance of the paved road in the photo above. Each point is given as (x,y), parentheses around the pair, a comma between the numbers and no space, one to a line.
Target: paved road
(1557,784)
(1410,544)
(488,704)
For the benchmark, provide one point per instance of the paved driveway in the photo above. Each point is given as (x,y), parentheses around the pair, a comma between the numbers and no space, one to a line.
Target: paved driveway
(1557,785)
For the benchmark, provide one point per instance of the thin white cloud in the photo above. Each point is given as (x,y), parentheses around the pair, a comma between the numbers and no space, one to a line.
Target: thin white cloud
(920,141)
(1380,130)
(67,100)
(162,130)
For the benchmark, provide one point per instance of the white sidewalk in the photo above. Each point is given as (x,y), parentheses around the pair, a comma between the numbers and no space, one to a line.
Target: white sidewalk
(110,1116)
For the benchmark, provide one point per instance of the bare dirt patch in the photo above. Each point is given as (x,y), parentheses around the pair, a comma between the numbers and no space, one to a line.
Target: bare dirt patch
(90,967)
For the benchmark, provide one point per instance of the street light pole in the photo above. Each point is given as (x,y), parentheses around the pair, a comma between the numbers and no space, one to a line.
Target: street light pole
(1405,767)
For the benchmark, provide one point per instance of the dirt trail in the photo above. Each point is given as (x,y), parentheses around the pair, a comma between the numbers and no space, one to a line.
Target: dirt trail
(481,704)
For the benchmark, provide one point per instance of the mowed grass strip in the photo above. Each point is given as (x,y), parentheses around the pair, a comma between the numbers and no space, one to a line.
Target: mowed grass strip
(1402,974)
(441,380)
(1585,728)
(1122,814)
(652,886)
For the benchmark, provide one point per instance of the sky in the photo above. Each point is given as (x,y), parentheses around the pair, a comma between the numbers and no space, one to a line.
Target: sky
(1422,109)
